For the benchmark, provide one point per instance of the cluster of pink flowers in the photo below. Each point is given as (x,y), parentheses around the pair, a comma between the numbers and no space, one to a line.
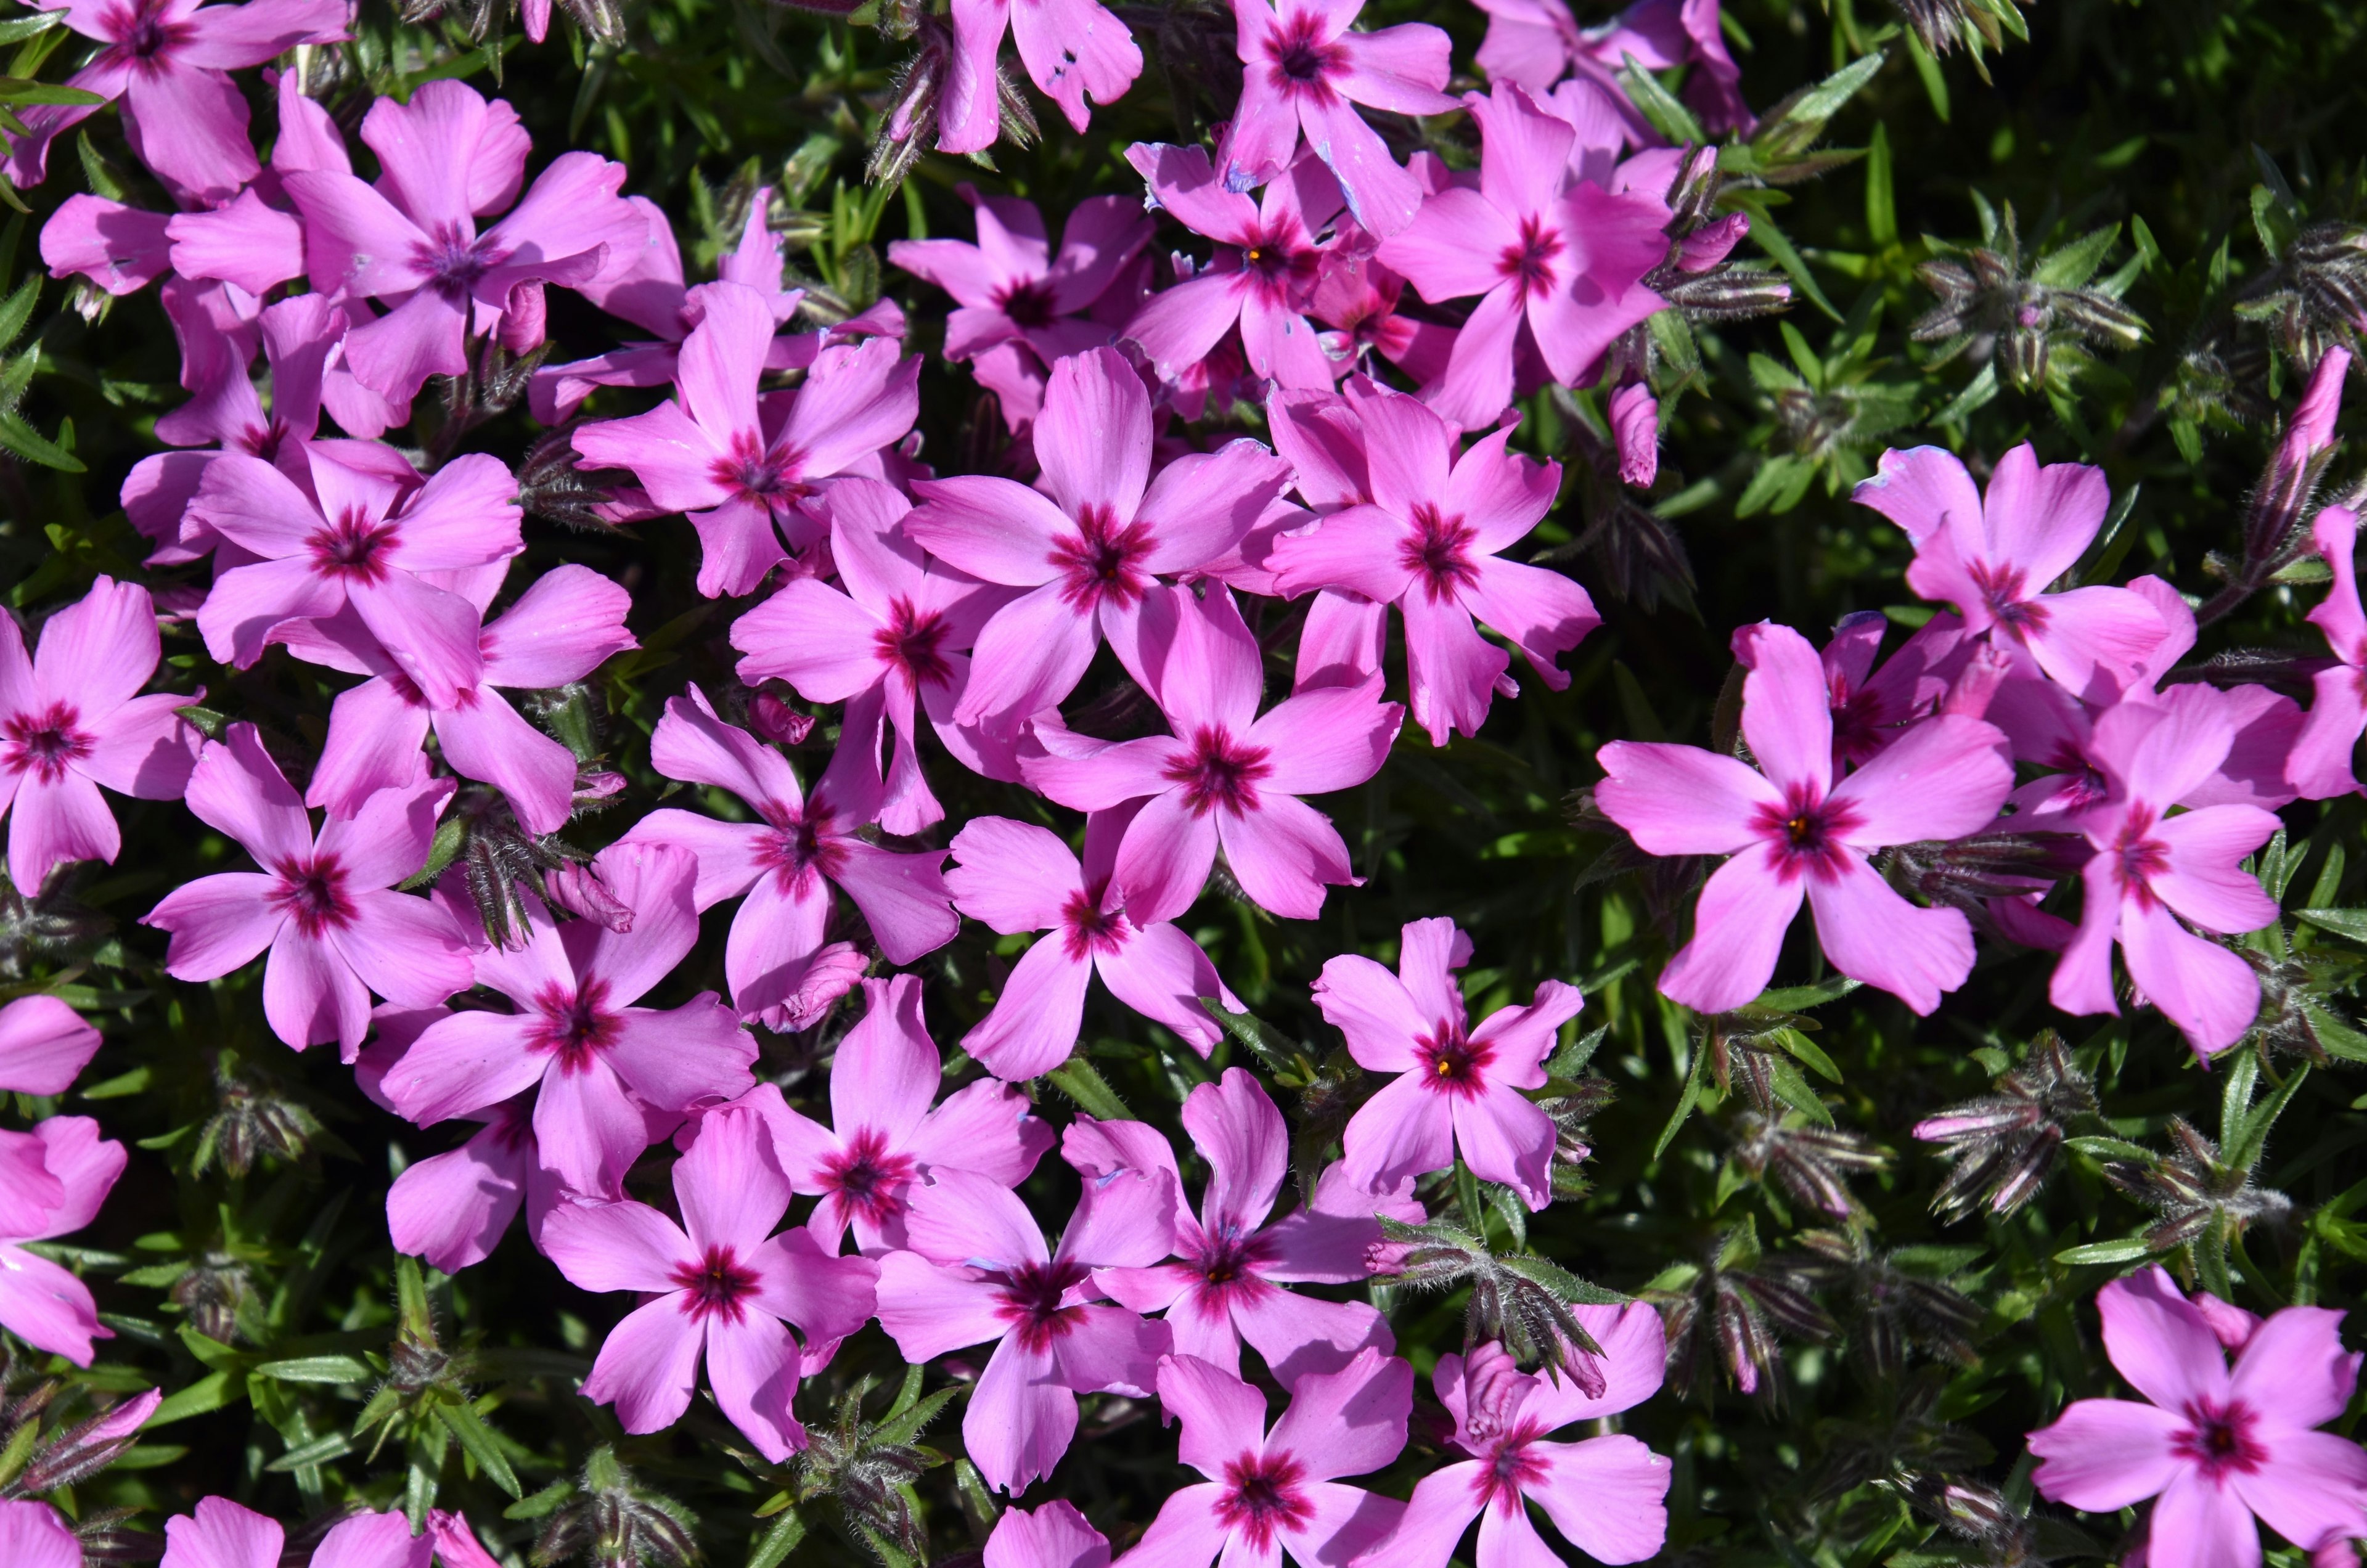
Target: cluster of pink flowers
(978,603)
(218,1533)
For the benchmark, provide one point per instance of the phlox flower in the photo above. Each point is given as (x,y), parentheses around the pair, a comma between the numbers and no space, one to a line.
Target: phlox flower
(1090,550)
(1227,775)
(32,1535)
(2151,867)
(1345,635)
(1798,829)
(359,539)
(1054,1536)
(1019,307)
(2214,1448)
(1558,263)
(169,62)
(118,249)
(219,1533)
(1430,542)
(1994,557)
(2319,765)
(601,1063)
(447,157)
(1268,255)
(977,1272)
(1071,48)
(1457,1087)
(1019,877)
(42,1303)
(1604,1494)
(892,637)
(1273,1492)
(740,465)
(786,862)
(44,1046)
(1359,298)
(323,903)
(567,621)
(884,1137)
(1873,708)
(1225,1283)
(1533,42)
(722,1283)
(1301,68)
(71,721)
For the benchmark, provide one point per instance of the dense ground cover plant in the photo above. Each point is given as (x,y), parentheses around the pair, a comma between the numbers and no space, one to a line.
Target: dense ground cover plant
(760,807)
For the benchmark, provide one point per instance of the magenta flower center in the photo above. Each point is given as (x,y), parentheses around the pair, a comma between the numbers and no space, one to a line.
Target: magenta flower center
(912,641)
(1809,834)
(45,743)
(140,32)
(1302,56)
(351,547)
(454,261)
(2141,855)
(1225,1263)
(1508,1471)
(265,440)
(1264,1494)
(313,894)
(1029,1299)
(1027,304)
(1450,1064)
(1528,261)
(1087,929)
(2005,596)
(716,1285)
(1101,562)
(800,848)
(2219,1439)
(574,1026)
(869,1177)
(1219,773)
(1437,550)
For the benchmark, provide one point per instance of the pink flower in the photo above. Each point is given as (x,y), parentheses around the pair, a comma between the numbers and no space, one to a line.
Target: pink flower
(72,720)
(447,156)
(568,621)
(41,1303)
(1017,307)
(169,62)
(2150,868)
(382,1540)
(1265,267)
(323,903)
(218,1533)
(1090,552)
(978,1273)
(360,539)
(222,1534)
(1277,1489)
(1458,1086)
(1603,1493)
(1301,67)
(1533,42)
(1054,1536)
(740,465)
(723,1283)
(602,1064)
(1993,558)
(1018,878)
(1070,48)
(1226,775)
(2215,1448)
(1873,708)
(120,249)
(895,633)
(786,862)
(1225,1283)
(884,1139)
(44,1046)
(1559,264)
(1430,542)
(1797,831)
(32,1535)
(2320,766)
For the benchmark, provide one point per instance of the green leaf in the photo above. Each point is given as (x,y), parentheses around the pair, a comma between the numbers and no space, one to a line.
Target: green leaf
(1668,115)
(319,1451)
(317,1368)
(1686,1100)
(1076,1078)
(2108,1149)
(2127,1250)
(2351,924)
(1800,998)
(478,1441)
(17,90)
(2076,263)
(2337,1037)
(2251,1135)
(450,833)
(1262,1040)
(1806,1051)
(33,446)
(208,1394)
(1772,240)
(914,1422)
(1822,102)
(1881,207)
(772,1548)
(544,1502)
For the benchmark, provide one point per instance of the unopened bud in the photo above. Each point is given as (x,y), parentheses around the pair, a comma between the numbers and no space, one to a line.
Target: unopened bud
(579,891)
(1711,244)
(776,721)
(524,316)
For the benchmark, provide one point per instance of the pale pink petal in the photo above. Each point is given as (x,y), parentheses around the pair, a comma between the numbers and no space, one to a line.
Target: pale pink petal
(774,937)
(963,1217)
(1542,612)
(885,1071)
(374,1540)
(1094,437)
(1738,928)
(665,449)
(2205,880)
(1360,549)
(145,749)
(44,1044)
(827,1297)
(1283,854)
(1452,671)
(1111,1350)
(1163,975)
(752,1364)
(1329,740)
(723,360)
(47,1307)
(1508,1540)
(1029,656)
(1945,778)
(1222,1416)
(1921,488)
(930,1311)
(486,739)
(218,923)
(730,1186)
(189,127)
(1374,1009)
(1186,1534)
(987,1127)
(463,1062)
(904,897)
(1019,1423)
(1177,328)
(646,1366)
(588,1130)
(2294,1370)
(1444,1503)
(676,1058)
(1053,1536)
(2207,991)
(561,629)
(310,994)
(452,1209)
(218,1533)
(1014,876)
(57,819)
(693,745)
(2161,1343)
(2088,630)
(376,731)
(1204,503)
(2312,1491)
(1299,1335)
(403,948)
(1787,707)
(429,634)
(1407,1129)
(1870,933)
(1504,1138)
(815,638)
(2199,1523)
(654,881)
(1164,859)
(1606,1495)
(1682,800)
(99,651)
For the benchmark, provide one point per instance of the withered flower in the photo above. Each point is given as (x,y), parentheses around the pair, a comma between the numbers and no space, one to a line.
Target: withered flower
(2002,1146)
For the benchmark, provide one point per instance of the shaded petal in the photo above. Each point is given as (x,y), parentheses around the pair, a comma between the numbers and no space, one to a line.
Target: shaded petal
(1162,974)
(1019,1422)
(1374,1009)
(751,1365)
(1607,1495)
(1014,875)
(1504,1138)
(1036,1019)
(1946,777)
(647,1365)
(2310,1491)
(2294,1370)
(2207,991)
(2205,880)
